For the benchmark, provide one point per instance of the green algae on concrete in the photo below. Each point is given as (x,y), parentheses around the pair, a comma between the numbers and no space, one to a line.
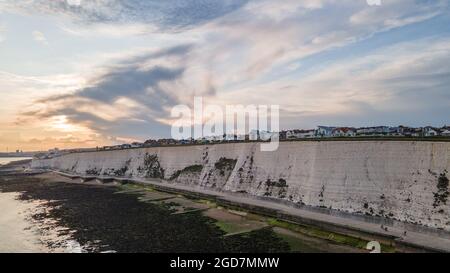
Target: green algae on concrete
(327,235)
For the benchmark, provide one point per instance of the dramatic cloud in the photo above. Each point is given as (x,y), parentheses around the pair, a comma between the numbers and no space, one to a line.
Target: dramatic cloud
(265,35)
(167,14)
(323,61)
(392,85)
(128,98)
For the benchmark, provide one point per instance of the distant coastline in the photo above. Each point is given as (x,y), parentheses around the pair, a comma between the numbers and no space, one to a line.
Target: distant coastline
(7,160)
(20,154)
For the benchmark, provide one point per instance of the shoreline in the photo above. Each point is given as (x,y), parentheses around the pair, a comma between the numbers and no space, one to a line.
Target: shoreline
(282,215)
(20,232)
(415,241)
(17,233)
(93,215)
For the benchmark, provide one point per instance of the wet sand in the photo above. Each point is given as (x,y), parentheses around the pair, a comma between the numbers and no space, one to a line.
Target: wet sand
(17,234)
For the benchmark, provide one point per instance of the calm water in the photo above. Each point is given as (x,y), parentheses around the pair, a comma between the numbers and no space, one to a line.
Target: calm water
(6,160)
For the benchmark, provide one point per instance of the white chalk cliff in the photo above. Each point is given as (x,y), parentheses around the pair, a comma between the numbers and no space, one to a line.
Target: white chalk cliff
(403,180)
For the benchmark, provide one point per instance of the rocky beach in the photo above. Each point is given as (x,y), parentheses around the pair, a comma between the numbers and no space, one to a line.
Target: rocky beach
(45,212)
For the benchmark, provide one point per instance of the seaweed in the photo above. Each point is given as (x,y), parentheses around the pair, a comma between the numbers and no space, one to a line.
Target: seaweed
(152,167)
(189,169)
(93,171)
(281,185)
(225,164)
(441,196)
(124,169)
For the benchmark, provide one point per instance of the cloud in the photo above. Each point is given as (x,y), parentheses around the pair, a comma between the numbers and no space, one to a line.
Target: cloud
(403,83)
(264,38)
(107,30)
(126,98)
(165,15)
(243,52)
(49,142)
(39,37)
(2,30)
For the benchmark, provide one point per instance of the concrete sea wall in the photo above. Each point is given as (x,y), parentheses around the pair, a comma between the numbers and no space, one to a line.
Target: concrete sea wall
(403,180)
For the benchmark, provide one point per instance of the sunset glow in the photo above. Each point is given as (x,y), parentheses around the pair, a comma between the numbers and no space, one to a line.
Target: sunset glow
(87,74)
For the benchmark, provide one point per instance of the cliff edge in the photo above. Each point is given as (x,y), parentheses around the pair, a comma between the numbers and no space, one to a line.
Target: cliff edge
(403,180)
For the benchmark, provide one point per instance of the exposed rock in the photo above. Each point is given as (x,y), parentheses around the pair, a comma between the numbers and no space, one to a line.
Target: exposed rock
(403,180)
(188,170)
(152,167)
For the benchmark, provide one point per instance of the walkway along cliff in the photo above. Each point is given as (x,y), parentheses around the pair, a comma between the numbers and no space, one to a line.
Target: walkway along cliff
(403,180)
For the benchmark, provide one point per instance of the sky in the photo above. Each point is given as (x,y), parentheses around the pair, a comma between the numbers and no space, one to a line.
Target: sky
(78,73)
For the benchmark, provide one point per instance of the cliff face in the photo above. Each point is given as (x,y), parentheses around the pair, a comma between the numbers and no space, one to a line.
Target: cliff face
(407,181)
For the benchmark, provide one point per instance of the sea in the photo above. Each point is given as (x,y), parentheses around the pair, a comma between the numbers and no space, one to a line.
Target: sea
(6,160)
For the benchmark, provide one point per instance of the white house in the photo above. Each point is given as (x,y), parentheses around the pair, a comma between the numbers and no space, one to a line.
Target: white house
(137,145)
(430,131)
(324,131)
(373,131)
(125,146)
(418,132)
(253,135)
(298,134)
(395,131)
(446,132)
(265,135)
(344,132)
(214,138)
